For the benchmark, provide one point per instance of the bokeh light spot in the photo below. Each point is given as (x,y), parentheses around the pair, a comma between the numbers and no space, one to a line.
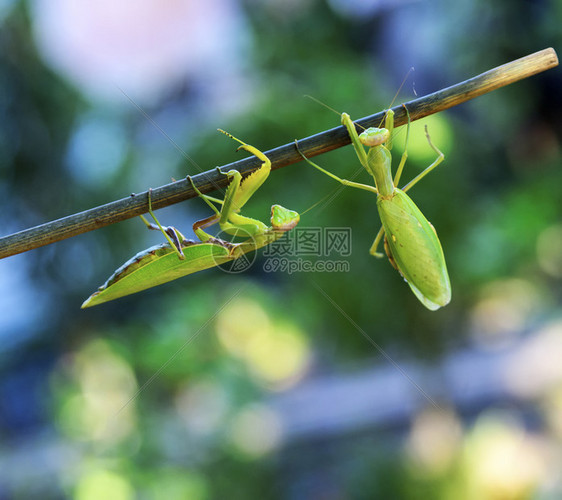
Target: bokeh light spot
(434,441)
(255,431)
(279,358)
(277,353)
(502,460)
(503,310)
(103,484)
(535,366)
(178,484)
(96,151)
(203,405)
(106,385)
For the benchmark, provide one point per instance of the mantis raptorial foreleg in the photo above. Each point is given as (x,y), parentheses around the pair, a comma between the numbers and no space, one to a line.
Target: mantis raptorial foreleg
(239,191)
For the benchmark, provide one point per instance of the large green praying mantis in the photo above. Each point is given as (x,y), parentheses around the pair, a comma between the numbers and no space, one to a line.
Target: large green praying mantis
(180,256)
(410,242)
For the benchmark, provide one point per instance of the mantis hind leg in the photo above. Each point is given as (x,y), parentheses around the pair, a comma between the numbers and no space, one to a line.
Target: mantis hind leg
(172,235)
(388,252)
(373,250)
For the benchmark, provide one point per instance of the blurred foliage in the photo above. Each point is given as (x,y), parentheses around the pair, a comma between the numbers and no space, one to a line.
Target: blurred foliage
(168,393)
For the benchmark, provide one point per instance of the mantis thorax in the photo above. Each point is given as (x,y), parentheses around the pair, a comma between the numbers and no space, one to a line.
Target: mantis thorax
(379,162)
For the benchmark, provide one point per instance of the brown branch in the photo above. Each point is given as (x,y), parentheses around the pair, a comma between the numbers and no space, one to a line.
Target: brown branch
(281,156)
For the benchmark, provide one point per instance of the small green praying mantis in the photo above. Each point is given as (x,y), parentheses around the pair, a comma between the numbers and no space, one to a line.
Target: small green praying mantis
(180,256)
(410,242)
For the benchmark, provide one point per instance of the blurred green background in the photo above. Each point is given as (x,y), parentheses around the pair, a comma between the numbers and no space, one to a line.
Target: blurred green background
(265,385)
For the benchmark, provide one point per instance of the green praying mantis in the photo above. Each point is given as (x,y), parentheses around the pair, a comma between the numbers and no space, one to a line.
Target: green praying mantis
(410,241)
(180,256)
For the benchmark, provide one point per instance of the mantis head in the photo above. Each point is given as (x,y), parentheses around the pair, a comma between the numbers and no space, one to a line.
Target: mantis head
(374,136)
(283,219)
